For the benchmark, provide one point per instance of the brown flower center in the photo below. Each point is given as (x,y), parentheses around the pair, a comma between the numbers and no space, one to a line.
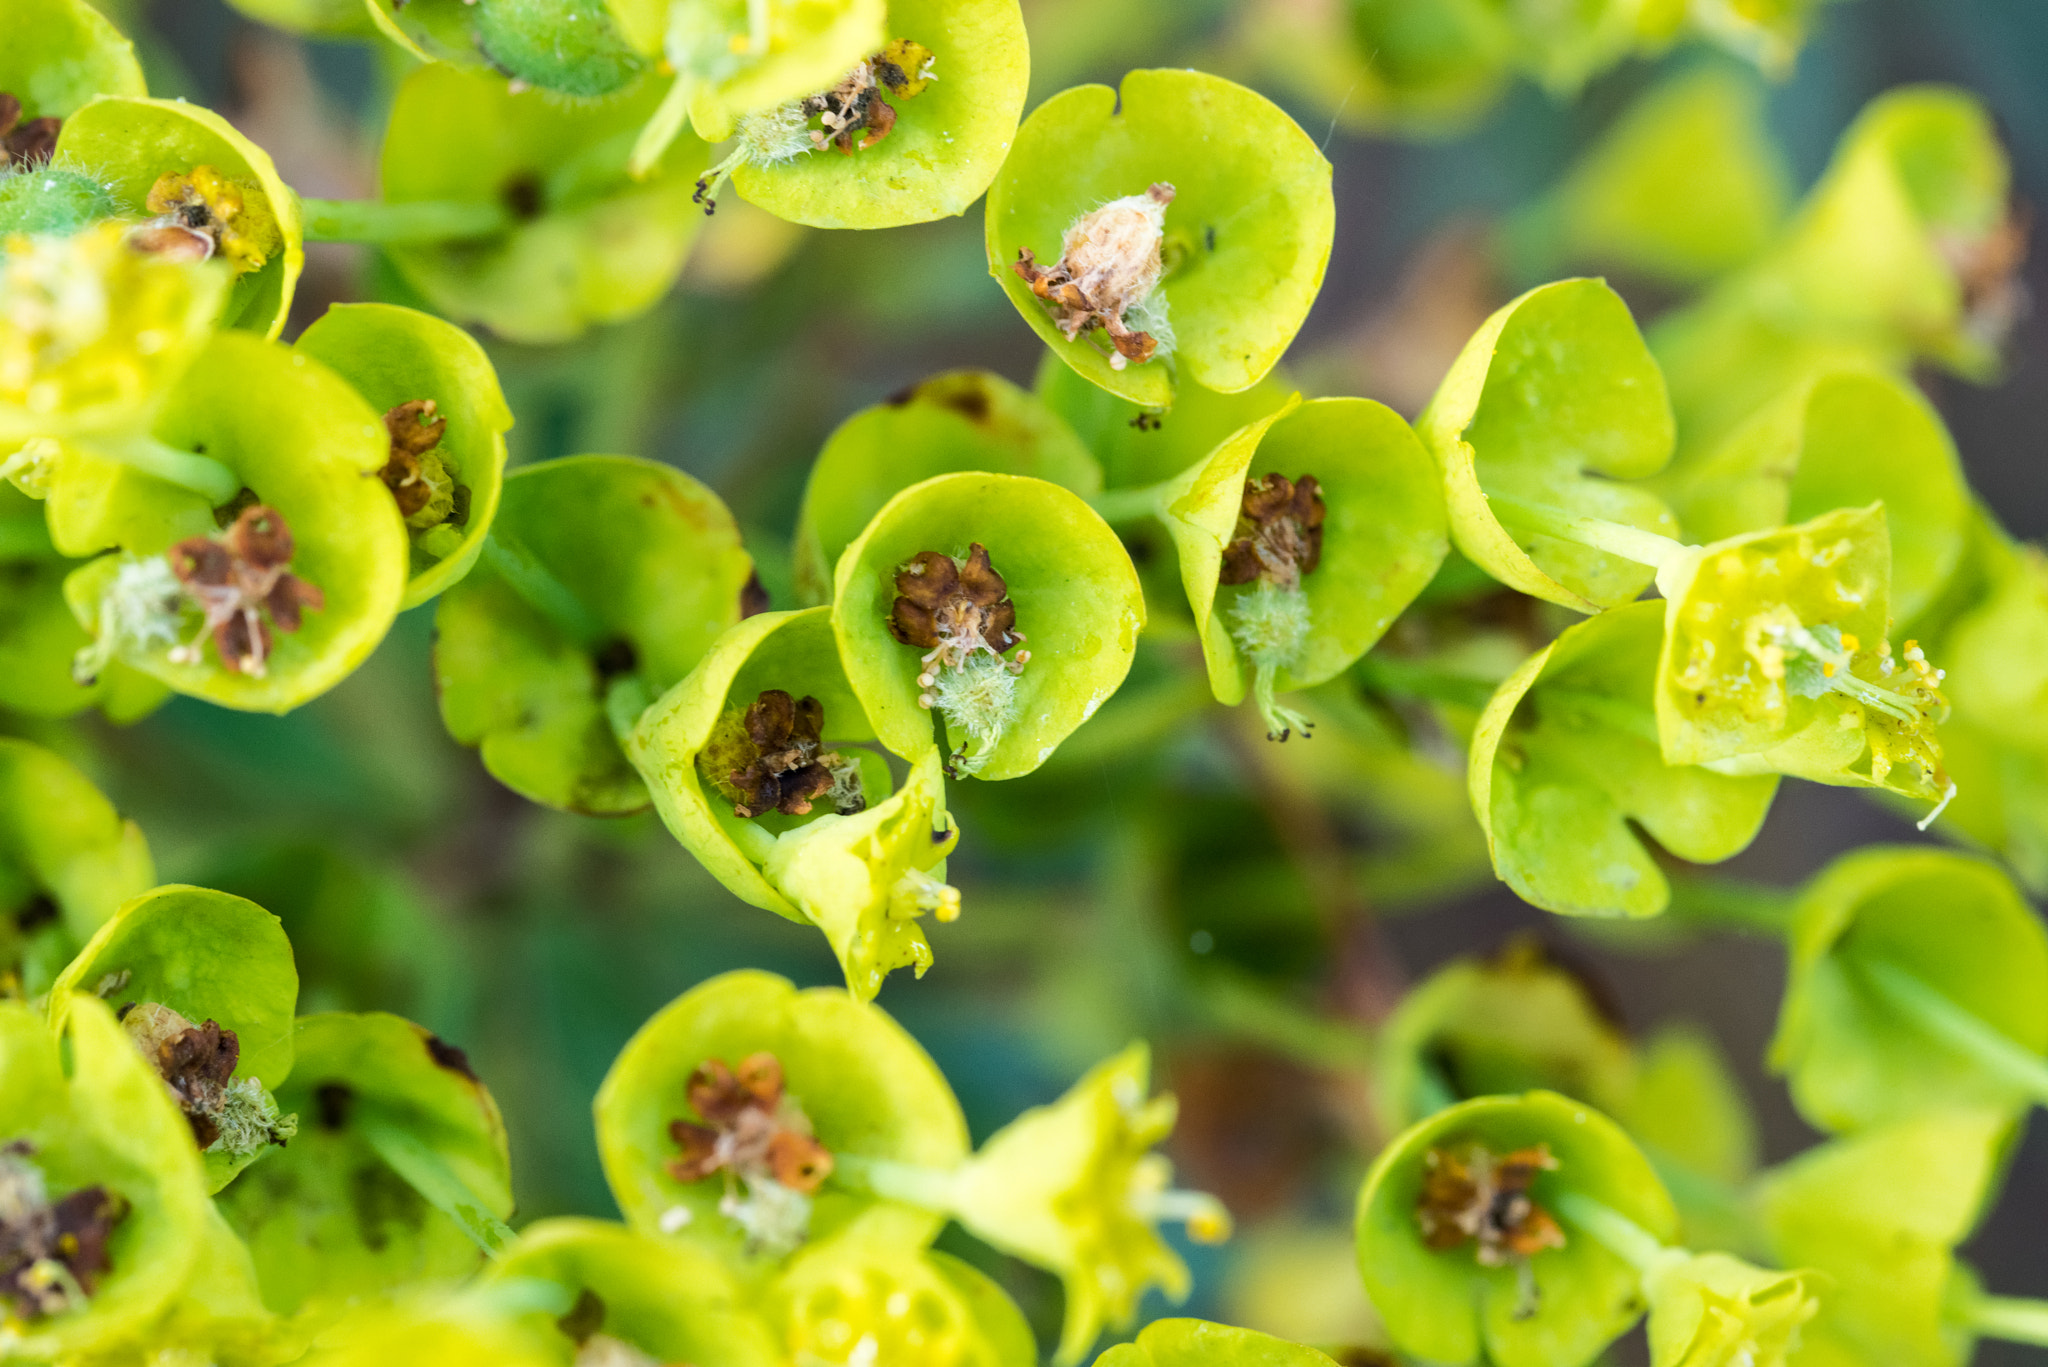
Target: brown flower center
(1279,535)
(1472,1195)
(25,143)
(50,1251)
(197,1061)
(242,580)
(772,759)
(416,474)
(748,1127)
(953,610)
(1110,261)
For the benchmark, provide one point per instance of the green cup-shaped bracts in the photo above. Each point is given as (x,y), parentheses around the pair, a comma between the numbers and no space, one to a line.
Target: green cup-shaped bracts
(601,575)
(1776,659)
(206,956)
(1844,439)
(1383,537)
(1565,766)
(131,143)
(39,638)
(1956,926)
(398,1172)
(915,1307)
(1879,1214)
(570,49)
(103,1120)
(1551,407)
(586,243)
(1686,184)
(1443,1305)
(67,862)
(1712,1310)
(1198,1343)
(1492,1027)
(869,1090)
(945,146)
(672,1301)
(957,421)
(305,444)
(1137,445)
(1077,602)
(1246,237)
(734,57)
(61,53)
(862,873)
(1907,239)
(397,355)
(1075,1188)
(93,336)
(1997,652)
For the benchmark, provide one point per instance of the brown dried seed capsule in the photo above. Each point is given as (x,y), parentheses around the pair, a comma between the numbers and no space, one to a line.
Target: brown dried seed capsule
(25,143)
(1279,535)
(1469,1194)
(747,1127)
(1110,262)
(239,579)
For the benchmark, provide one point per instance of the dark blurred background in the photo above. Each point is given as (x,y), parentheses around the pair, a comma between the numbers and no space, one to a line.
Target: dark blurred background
(540,941)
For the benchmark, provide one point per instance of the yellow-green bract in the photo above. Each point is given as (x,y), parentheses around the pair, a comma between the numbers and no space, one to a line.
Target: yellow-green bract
(39,638)
(1713,1310)
(918,1307)
(306,445)
(733,57)
(602,573)
(61,53)
(1443,1306)
(330,1218)
(1552,406)
(1956,925)
(868,1088)
(131,143)
(585,243)
(396,355)
(1247,235)
(1566,756)
(1198,1343)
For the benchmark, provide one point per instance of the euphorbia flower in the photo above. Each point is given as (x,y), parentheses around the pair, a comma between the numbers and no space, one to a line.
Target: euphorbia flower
(1711,1310)
(751,1130)
(202,213)
(53,1252)
(242,582)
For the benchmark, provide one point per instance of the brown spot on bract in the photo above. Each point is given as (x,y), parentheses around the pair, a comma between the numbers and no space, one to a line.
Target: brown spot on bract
(753,596)
(966,395)
(333,1102)
(585,1317)
(446,1055)
(24,142)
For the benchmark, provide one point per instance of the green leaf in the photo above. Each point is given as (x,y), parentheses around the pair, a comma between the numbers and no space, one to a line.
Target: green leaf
(946,144)
(668,1299)
(1844,439)
(867,1087)
(1383,533)
(1685,184)
(588,243)
(1852,1060)
(1565,766)
(60,54)
(396,355)
(67,862)
(1137,445)
(603,572)
(1879,1214)
(960,420)
(1075,591)
(329,1219)
(918,1308)
(1442,1305)
(306,445)
(1554,404)
(1198,1343)
(130,143)
(1247,235)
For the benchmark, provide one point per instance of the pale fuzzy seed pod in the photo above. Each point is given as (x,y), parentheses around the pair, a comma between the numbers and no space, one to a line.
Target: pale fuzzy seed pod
(1113,254)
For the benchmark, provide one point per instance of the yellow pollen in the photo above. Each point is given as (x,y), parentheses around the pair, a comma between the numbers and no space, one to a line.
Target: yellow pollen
(1850,643)
(1827,671)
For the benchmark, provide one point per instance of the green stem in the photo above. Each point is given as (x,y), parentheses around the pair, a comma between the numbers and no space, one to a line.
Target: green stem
(429,1174)
(1127,505)
(1249,1012)
(1712,901)
(509,558)
(1616,538)
(1939,1017)
(2015,1319)
(202,475)
(929,1189)
(661,130)
(377,220)
(1622,1236)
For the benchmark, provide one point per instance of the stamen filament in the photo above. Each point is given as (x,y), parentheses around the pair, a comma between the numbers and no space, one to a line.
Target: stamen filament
(932,1189)
(1616,538)
(1940,1017)
(376,220)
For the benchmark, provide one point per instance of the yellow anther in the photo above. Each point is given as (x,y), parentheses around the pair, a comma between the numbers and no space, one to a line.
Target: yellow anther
(1850,643)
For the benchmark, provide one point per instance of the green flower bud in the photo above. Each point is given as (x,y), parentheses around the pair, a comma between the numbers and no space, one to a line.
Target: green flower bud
(994,561)
(1513,1285)
(584,242)
(962,420)
(1191,275)
(67,862)
(1548,413)
(189,166)
(852,1300)
(399,1172)
(1198,1343)
(570,48)
(864,1088)
(397,357)
(1711,1310)
(631,1293)
(1853,1054)
(93,336)
(1565,765)
(554,621)
(53,200)
(273,595)
(1075,1188)
(60,54)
